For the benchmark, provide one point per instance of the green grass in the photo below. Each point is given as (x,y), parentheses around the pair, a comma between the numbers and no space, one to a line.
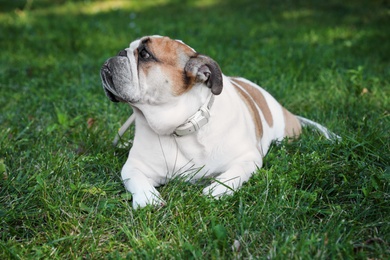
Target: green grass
(60,191)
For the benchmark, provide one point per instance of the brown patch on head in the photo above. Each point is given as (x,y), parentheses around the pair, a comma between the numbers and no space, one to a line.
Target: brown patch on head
(252,109)
(258,97)
(171,56)
(170,52)
(292,127)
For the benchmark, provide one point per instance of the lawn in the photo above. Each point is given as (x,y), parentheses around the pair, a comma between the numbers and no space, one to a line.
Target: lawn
(61,196)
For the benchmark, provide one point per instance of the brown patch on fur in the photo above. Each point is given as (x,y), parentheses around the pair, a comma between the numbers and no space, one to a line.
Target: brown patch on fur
(252,109)
(258,98)
(292,126)
(172,57)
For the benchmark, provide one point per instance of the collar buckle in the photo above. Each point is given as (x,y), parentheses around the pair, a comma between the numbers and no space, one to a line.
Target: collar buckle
(196,121)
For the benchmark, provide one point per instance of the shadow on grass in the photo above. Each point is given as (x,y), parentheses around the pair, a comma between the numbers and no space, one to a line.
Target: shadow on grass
(353,26)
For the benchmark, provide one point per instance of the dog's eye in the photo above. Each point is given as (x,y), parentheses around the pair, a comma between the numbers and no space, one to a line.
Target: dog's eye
(144,54)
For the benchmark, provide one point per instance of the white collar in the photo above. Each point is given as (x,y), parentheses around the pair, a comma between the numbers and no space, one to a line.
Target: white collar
(197,120)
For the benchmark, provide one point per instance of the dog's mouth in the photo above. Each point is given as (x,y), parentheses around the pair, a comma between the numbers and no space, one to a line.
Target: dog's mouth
(107,74)
(108,84)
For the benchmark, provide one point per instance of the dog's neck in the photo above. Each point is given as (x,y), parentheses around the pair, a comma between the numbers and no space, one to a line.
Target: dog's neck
(197,120)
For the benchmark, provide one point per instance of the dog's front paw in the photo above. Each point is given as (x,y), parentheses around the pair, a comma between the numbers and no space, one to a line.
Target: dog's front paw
(141,200)
(218,189)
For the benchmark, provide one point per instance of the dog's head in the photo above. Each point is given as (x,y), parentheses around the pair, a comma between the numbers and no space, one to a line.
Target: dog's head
(155,70)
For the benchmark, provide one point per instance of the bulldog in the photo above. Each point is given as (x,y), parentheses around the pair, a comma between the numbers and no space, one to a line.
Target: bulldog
(191,120)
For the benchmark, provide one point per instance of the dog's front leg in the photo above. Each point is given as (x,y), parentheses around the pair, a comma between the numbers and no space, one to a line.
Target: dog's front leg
(141,187)
(232,179)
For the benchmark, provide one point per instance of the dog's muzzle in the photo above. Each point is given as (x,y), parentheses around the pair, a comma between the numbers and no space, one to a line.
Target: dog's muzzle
(107,78)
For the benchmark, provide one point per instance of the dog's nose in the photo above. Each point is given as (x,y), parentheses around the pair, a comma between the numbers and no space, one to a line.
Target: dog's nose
(122,53)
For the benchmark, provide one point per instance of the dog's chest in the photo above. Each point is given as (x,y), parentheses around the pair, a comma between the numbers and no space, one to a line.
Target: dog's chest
(187,156)
(191,149)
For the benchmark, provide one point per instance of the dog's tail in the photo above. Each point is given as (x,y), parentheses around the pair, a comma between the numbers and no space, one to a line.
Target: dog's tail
(322,129)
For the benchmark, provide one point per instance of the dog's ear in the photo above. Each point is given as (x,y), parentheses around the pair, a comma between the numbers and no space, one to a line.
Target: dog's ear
(203,69)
